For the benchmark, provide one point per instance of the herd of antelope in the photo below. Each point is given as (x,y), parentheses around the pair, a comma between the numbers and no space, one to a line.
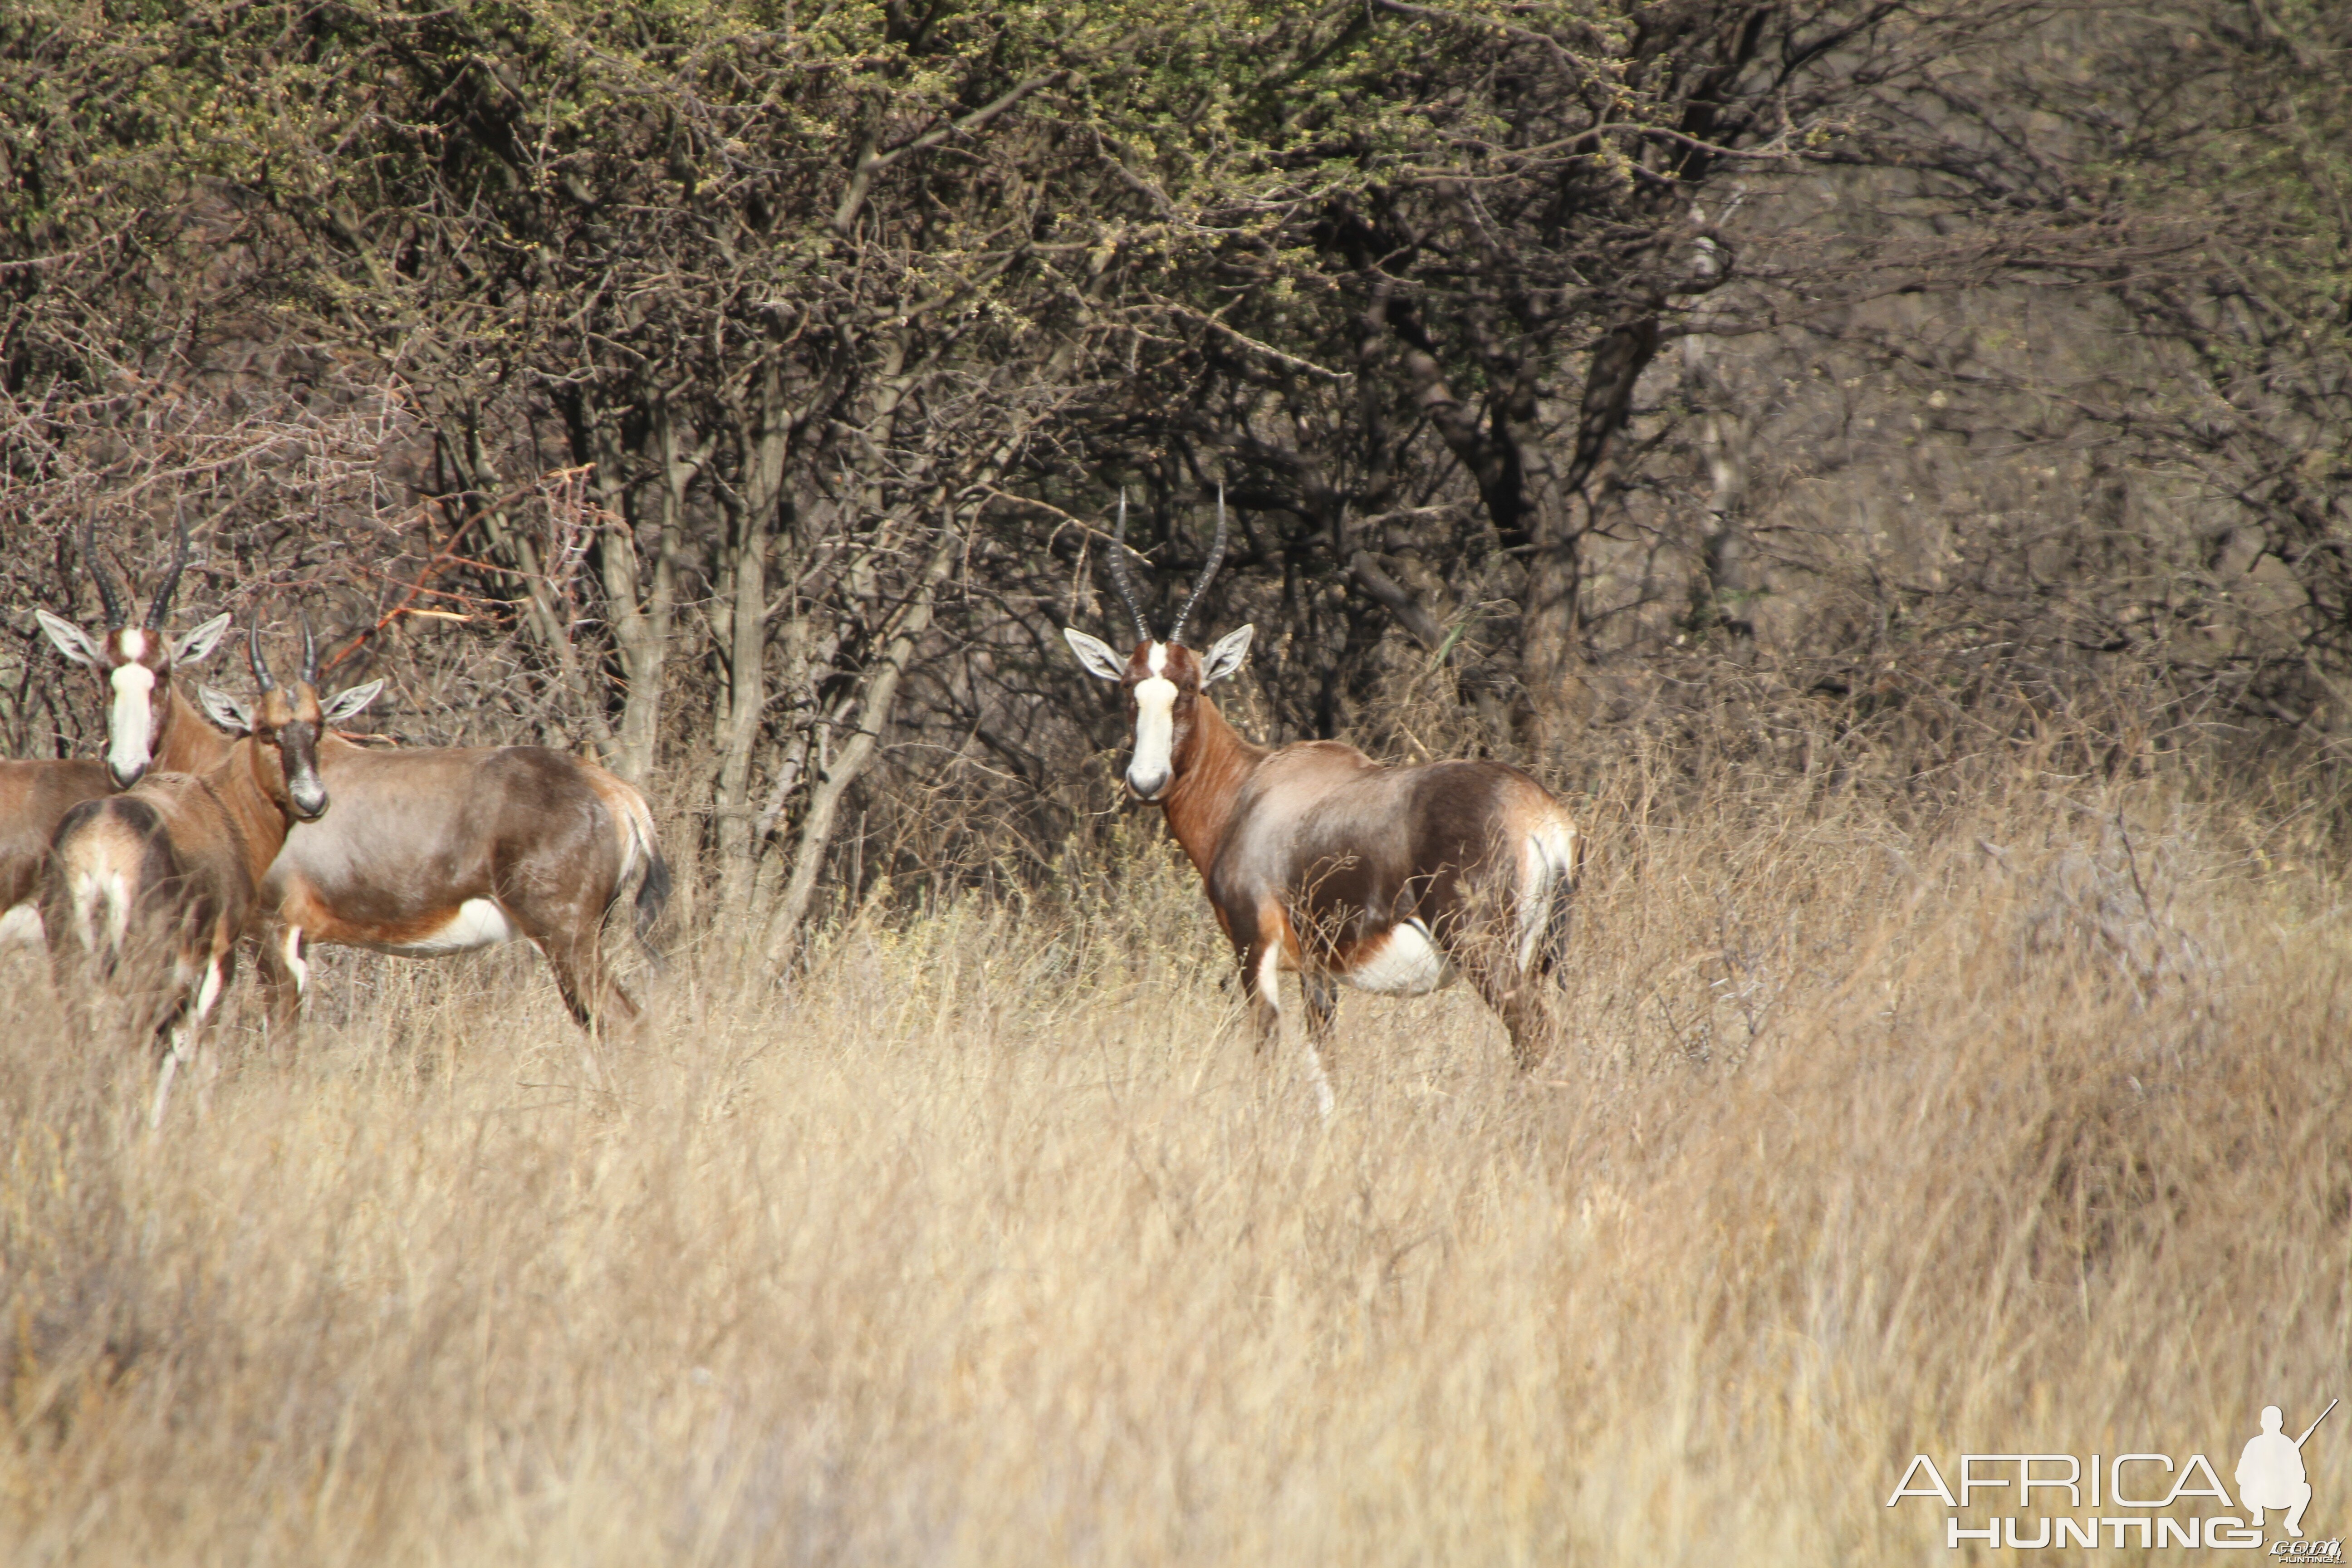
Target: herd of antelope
(211,821)
(204,826)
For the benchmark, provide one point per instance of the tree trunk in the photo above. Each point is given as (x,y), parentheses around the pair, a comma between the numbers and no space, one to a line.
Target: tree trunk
(1722,595)
(473,465)
(746,702)
(641,615)
(1551,641)
(1560,509)
(879,698)
(645,640)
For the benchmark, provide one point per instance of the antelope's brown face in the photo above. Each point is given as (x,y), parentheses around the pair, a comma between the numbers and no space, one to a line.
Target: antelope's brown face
(136,663)
(286,723)
(1162,682)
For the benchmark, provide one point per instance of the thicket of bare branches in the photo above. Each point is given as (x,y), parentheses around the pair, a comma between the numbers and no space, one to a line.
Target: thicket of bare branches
(743,400)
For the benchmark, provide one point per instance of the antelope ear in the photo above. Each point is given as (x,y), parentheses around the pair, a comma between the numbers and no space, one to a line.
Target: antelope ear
(72,640)
(1096,655)
(1227,655)
(351,700)
(200,642)
(225,711)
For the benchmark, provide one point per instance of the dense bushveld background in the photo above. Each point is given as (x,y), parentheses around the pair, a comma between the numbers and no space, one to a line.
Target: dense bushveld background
(1885,462)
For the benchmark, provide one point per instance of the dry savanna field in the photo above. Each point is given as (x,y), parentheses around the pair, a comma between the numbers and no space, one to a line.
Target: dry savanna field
(1886,464)
(2014,1125)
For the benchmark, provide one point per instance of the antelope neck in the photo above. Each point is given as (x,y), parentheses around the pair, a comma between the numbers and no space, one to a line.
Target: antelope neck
(186,743)
(1208,777)
(255,819)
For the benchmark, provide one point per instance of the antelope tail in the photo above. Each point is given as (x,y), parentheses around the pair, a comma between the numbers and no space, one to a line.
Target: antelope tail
(101,913)
(641,856)
(1555,856)
(105,864)
(653,893)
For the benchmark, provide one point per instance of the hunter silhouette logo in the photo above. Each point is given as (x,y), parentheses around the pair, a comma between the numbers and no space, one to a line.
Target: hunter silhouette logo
(2122,1493)
(2270,1472)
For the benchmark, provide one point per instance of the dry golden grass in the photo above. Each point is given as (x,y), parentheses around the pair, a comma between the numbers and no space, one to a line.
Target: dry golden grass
(991,1241)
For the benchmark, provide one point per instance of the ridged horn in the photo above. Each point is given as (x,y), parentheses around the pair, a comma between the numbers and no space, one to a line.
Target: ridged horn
(309,653)
(117,616)
(1216,559)
(1118,569)
(162,606)
(252,654)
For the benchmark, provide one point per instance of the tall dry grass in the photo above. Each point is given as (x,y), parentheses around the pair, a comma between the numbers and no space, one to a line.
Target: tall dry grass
(2015,1126)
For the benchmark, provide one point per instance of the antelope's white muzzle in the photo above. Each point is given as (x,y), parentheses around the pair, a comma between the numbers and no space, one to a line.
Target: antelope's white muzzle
(128,726)
(1155,729)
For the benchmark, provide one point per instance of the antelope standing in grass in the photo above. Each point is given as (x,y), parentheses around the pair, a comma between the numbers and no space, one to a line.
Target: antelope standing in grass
(445,850)
(1321,861)
(136,663)
(146,893)
(437,850)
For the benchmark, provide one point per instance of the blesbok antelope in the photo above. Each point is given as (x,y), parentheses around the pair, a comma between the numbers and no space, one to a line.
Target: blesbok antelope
(148,721)
(147,891)
(1319,860)
(445,850)
(438,850)
(136,663)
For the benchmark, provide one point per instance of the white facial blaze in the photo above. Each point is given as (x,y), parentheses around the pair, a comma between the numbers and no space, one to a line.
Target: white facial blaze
(127,727)
(1155,726)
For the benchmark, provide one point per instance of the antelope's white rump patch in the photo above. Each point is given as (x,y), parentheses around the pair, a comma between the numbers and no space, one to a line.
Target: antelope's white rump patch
(479,922)
(1405,964)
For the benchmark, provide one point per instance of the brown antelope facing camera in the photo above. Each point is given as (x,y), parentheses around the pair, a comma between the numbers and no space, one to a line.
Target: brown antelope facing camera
(438,850)
(136,663)
(146,893)
(1318,860)
(444,849)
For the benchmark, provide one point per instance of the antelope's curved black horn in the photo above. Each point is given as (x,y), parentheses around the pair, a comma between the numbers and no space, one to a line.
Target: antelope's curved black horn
(1216,559)
(117,616)
(252,654)
(309,653)
(1118,558)
(162,606)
